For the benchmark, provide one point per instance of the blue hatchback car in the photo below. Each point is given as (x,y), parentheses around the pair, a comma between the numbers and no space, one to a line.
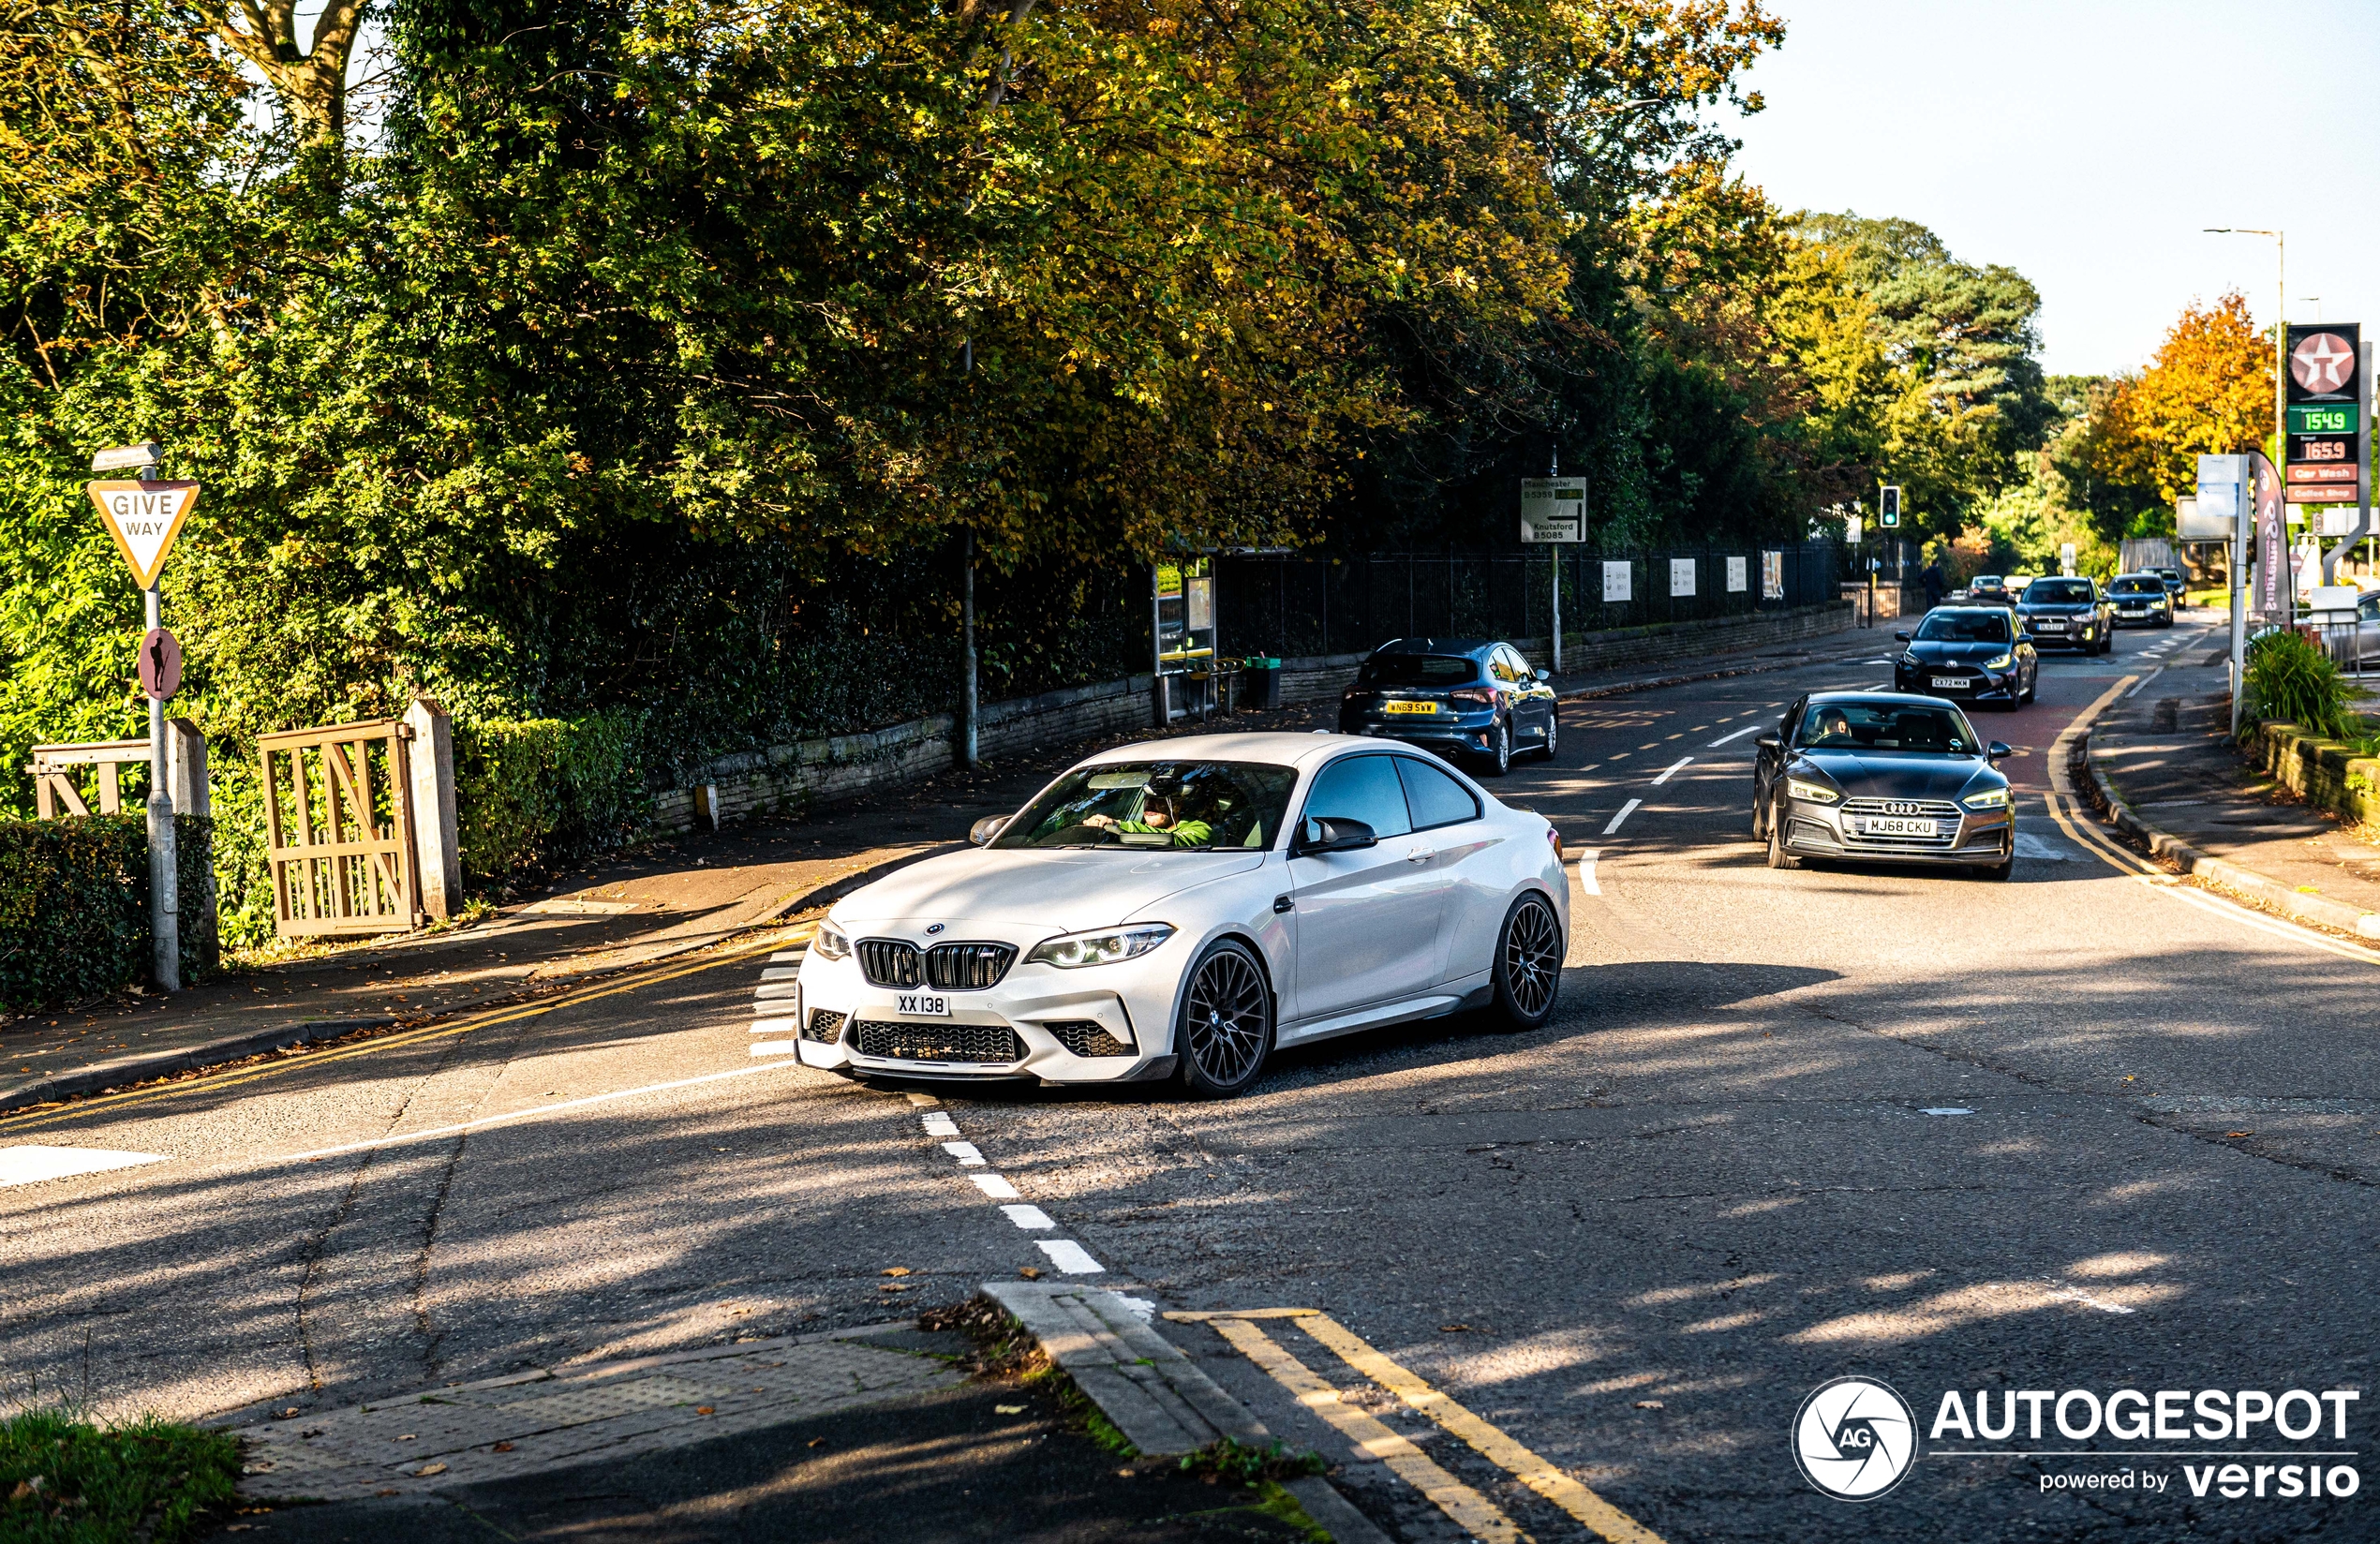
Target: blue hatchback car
(1463,697)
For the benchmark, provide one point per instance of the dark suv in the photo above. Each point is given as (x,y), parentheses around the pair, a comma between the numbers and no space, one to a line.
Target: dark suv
(2058,610)
(2141,599)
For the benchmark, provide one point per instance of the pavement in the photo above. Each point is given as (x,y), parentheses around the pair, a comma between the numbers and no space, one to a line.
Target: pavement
(659,901)
(2166,757)
(2088,1130)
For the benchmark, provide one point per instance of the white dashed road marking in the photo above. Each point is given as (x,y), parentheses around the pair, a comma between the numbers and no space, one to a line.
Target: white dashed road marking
(997,1187)
(775,988)
(780,973)
(940,1125)
(772,1026)
(1747,728)
(1028,1216)
(1626,811)
(965,1152)
(1587,871)
(785,956)
(1070,1257)
(31,1165)
(1672,770)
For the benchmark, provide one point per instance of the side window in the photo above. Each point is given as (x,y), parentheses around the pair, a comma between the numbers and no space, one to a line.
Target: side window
(1434,798)
(1786,724)
(1361,788)
(1498,667)
(1518,666)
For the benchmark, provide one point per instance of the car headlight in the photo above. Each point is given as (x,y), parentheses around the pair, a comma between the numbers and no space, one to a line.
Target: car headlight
(1909,658)
(1103,948)
(2000,662)
(1990,799)
(830,943)
(2159,602)
(1816,793)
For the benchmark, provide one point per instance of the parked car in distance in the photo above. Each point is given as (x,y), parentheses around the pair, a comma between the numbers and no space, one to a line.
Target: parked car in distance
(2141,599)
(1471,698)
(2175,589)
(1969,654)
(1875,776)
(1990,589)
(2058,610)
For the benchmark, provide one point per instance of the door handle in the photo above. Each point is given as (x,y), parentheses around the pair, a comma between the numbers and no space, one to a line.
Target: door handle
(1283,903)
(1420,854)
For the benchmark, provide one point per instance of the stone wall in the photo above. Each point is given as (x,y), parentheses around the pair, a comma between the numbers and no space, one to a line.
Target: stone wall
(2322,772)
(786,780)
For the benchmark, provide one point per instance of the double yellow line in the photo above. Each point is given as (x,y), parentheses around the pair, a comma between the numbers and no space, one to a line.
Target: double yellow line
(212,1083)
(1474,1513)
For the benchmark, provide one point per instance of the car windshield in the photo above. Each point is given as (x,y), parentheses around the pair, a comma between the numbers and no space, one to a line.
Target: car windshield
(1419,670)
(2058,592)
(1987,581)
(2137,586)
(1964,627)
(1174,806)
(1887,726)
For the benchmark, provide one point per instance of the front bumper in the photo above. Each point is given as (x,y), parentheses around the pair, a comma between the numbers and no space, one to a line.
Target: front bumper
(1101,1024)
(2078,634)
(1823,831)
(2147,617)
(1983,686)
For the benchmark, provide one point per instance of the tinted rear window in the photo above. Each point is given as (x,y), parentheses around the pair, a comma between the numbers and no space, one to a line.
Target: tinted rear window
(1420,670)
(2058,591)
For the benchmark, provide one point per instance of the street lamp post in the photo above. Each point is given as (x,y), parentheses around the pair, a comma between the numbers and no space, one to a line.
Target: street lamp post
(2280,447)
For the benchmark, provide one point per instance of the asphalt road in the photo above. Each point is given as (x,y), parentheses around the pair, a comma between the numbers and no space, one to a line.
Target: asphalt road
(1635,1239)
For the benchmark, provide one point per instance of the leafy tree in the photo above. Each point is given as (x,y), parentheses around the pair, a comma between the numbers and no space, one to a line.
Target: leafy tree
(2208,391)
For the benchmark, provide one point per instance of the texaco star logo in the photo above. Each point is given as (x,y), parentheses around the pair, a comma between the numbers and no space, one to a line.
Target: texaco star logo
(2323,362)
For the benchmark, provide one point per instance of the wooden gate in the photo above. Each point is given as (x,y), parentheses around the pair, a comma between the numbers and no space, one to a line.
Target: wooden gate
(338,830)
(54,792)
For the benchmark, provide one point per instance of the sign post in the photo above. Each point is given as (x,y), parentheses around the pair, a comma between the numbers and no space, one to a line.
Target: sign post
(2220,513)
(1553,511)
(144,517)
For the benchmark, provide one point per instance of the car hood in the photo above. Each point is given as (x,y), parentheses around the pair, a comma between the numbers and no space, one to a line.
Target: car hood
(2057,608)
(1948,651)
(1062,892)
(1893,774)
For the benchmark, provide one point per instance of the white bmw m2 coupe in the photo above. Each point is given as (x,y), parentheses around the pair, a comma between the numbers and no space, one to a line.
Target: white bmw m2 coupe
(1179,908)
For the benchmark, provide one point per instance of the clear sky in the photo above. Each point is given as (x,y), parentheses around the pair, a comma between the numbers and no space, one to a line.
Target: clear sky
(2086,142)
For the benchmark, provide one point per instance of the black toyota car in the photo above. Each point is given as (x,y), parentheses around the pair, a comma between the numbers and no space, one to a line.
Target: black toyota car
(1875,776)
(2068,610)
(1969,654)
(1467,697)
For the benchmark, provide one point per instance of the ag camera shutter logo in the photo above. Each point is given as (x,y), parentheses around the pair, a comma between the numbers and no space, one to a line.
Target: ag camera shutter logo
(1854,1438)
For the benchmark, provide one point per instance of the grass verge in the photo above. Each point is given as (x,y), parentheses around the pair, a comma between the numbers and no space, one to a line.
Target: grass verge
(64,1481)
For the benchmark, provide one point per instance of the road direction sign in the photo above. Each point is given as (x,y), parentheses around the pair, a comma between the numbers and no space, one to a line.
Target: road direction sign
(145,518)
(1552,509)
(160,665)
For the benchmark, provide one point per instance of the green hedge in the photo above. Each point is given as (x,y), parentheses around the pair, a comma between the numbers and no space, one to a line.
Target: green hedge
(2290,679)
(74,907)
(534,793)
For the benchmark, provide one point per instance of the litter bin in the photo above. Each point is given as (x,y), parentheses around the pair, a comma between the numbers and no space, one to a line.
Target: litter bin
(1260,683)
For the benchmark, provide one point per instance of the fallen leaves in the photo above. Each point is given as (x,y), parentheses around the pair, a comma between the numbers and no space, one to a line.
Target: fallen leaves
(501,1448)
(1007,1409)
(705,1409)
(1029,1272)
(1648,1404)
(427,1470)
(894,1270)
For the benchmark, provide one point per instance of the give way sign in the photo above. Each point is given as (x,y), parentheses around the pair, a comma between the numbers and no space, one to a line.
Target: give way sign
(145,518)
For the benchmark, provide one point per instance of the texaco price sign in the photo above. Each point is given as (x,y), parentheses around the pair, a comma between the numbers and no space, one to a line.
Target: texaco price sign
(145,518)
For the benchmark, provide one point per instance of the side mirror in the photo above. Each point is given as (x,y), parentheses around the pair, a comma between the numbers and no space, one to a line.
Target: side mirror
(1770,742)
(981,833)
(1330,833)
(1545,675)
(1901,637)
(1998,751)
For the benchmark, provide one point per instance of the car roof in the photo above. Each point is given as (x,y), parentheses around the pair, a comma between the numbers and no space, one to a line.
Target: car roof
(1437,646)
(1969,605)
(1276,750)
(1895,699)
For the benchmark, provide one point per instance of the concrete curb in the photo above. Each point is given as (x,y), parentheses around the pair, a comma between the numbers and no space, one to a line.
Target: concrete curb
(150,1065)
(1161,1402)
(2163,844)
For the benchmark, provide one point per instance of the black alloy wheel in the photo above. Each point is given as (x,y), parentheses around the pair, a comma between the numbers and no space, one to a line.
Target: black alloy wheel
(1777,856)
(1501,753)
(1224,1031)
(1760,817)
(1529,963)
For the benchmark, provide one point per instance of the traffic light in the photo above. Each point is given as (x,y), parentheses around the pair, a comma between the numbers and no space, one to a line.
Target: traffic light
(1888,507)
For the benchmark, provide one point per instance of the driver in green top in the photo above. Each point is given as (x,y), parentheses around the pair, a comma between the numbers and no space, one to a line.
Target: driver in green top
(1157,818)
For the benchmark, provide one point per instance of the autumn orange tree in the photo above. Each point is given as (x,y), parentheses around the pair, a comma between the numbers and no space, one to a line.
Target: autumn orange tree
(2207,392)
